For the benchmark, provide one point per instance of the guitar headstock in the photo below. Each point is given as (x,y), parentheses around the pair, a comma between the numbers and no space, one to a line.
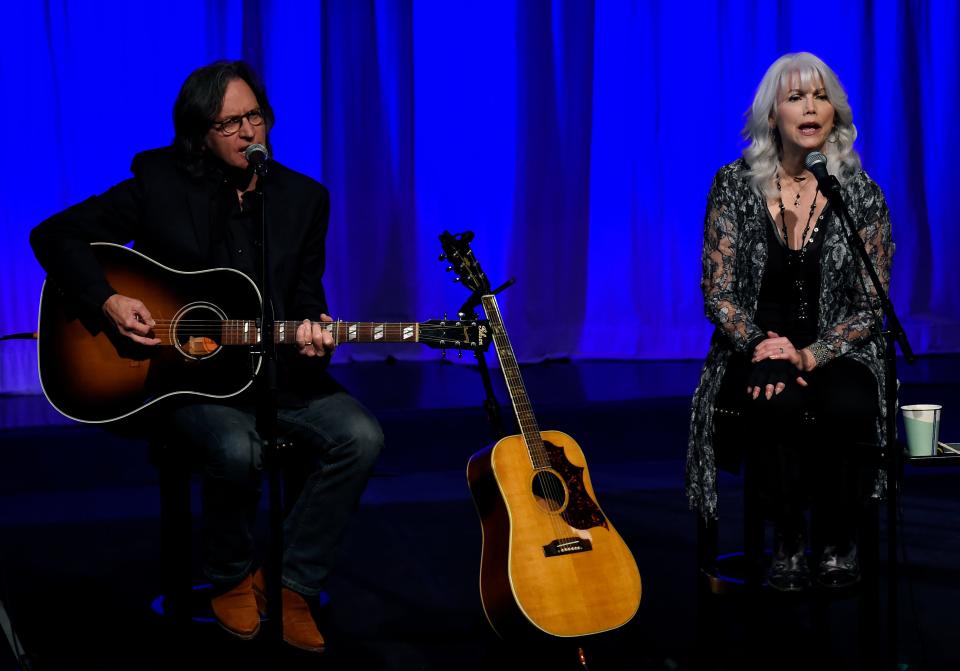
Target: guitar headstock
(456,250)
(459,334)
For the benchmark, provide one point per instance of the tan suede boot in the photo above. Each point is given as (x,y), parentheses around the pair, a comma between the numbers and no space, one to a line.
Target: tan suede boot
(299,628)
(236,610)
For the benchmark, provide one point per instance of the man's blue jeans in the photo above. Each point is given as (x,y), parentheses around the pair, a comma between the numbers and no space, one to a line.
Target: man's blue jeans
(341,438)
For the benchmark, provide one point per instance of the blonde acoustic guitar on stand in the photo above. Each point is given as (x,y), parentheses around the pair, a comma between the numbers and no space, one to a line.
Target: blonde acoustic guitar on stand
(551,558)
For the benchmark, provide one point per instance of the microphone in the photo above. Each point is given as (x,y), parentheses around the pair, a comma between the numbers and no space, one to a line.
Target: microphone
(816,163)
(257,155)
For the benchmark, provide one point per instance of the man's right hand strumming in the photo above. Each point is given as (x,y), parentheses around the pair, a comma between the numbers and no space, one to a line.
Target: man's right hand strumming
(132,319)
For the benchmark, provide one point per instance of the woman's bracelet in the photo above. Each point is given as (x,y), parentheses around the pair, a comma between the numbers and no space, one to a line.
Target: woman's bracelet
(821,354)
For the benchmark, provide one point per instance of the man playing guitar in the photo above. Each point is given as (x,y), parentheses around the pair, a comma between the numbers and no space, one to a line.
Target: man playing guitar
(192,206)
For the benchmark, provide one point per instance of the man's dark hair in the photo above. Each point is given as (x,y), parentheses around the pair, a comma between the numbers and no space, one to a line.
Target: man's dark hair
(199,102)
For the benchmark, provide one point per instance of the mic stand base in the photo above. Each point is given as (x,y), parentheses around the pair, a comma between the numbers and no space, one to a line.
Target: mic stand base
(19,654)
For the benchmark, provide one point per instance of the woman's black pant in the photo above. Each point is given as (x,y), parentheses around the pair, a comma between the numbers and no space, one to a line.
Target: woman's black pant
(805,464)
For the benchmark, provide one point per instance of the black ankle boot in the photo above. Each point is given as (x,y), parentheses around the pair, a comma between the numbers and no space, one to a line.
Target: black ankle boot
(839,568)
(788,567)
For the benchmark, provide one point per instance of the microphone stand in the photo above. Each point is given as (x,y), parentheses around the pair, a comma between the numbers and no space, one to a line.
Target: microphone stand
(893,459)
(6,621)
(266,423)
(19,653)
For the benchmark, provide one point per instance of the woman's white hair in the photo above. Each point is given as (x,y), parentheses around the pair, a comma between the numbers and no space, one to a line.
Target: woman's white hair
(763,152)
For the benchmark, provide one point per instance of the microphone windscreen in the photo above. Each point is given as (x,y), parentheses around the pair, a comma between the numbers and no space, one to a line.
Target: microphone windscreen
(254,149)
(814,158)
(817,164)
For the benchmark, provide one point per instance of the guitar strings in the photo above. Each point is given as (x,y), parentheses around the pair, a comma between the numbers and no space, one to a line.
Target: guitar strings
(325,324)
(215,328)
(233,323)
(545,479)
(237,323)
(477,281)
(552,492)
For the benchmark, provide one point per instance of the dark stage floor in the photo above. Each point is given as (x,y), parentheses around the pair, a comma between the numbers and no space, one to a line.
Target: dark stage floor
(79,538)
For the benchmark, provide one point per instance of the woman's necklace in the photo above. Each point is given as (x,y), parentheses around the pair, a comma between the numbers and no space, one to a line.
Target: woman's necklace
(804,240)
(798,182)
(803,310)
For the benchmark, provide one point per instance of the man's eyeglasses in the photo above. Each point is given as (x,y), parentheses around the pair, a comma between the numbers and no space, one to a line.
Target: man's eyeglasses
(232,124)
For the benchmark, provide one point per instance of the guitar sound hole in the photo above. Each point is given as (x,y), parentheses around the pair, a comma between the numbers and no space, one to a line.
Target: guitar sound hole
(549,492)
(198,330)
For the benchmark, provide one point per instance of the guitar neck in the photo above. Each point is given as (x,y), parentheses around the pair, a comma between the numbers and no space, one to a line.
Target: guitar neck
(515,387)
(245,332)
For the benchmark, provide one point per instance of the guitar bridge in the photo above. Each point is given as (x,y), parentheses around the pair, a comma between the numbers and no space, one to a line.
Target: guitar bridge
(566,546)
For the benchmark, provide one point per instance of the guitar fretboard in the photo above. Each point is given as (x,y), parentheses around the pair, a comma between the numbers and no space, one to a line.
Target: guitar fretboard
(515,386)
(245,332)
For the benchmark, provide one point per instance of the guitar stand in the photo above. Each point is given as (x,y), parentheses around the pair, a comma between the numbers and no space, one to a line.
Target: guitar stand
(490,405)
(582,658)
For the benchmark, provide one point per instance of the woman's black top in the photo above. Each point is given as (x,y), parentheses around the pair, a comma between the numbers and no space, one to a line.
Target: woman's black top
(788,300)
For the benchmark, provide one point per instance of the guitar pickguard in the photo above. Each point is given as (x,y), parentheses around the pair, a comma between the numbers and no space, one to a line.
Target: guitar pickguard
(580,512)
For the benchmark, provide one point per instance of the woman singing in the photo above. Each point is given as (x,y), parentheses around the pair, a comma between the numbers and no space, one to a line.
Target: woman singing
(796,330)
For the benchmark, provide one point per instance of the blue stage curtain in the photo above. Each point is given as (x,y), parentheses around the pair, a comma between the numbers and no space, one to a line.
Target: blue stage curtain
(576,139)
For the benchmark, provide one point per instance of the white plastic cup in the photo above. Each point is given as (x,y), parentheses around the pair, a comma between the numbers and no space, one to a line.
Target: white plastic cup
(922,422)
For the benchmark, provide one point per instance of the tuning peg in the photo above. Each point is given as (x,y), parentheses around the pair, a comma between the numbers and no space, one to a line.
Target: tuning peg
(443,257)
(449,268)
(456,279)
